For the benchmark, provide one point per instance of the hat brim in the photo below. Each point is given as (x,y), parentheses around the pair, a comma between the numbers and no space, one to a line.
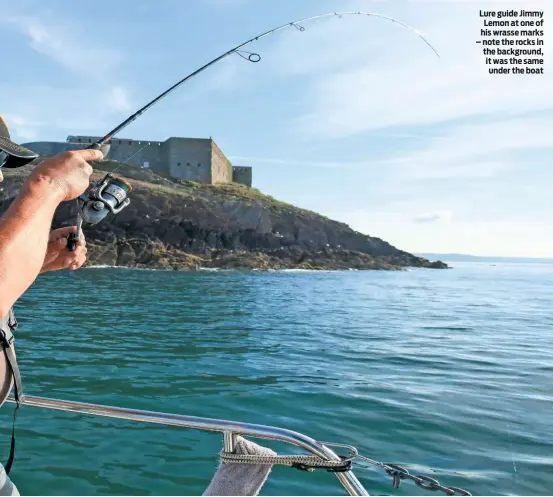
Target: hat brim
(18,155)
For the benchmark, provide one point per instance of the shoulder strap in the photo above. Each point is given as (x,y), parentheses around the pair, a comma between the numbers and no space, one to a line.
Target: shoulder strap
(7,340)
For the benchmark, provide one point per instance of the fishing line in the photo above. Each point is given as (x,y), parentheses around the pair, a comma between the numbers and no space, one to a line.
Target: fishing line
(130,157)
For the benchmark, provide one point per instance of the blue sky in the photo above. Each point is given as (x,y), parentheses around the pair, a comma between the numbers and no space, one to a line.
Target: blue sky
(355,118)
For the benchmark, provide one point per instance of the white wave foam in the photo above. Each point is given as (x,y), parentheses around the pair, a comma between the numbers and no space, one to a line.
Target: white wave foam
(306,271)
(107,266)
(217,269)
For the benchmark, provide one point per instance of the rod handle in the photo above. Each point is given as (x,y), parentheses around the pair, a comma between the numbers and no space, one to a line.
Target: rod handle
(102,147)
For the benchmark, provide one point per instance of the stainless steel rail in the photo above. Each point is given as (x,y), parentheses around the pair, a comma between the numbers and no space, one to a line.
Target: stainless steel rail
(229,429)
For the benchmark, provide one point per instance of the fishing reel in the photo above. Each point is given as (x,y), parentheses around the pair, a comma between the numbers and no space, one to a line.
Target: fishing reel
(107,196)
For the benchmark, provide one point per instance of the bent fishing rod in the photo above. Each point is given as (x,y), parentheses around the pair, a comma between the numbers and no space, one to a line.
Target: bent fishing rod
(110,194)
(251,57)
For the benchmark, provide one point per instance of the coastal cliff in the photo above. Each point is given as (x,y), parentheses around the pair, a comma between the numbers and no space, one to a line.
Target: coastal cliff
(182,225)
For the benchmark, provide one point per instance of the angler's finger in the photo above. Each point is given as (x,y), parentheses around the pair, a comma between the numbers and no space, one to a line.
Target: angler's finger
(61,242)
(89,154)
(79,251)
(63,232)
(69,259)
(58,238)
(76,264)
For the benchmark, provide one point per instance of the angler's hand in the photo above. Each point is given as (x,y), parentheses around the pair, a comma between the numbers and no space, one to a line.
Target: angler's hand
(58,256)
(68,173)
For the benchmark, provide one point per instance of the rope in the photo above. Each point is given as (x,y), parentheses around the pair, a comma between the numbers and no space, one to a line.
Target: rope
(299,462)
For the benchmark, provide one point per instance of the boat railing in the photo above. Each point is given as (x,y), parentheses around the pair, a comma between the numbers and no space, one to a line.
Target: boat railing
(229,429)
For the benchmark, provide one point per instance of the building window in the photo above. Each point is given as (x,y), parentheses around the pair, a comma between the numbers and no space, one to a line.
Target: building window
(119,142)
(188,164)
(130,142)
(199,165)
(178,164)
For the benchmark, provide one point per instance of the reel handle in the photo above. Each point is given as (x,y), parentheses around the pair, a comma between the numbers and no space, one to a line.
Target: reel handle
(73,238)
(72,242)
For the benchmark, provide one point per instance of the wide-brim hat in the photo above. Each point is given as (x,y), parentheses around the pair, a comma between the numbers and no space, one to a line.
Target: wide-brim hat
(14,155)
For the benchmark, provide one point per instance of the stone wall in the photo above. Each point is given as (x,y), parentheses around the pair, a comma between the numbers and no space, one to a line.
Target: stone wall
(51,148)
(142,153)
(242,175)
(221,168)
(189,158)
(193,159)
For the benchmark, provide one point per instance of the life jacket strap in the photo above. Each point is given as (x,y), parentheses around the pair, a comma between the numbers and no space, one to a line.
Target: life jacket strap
(7,341)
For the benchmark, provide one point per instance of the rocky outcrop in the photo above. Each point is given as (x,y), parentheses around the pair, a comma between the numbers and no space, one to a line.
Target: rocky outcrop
(173,224)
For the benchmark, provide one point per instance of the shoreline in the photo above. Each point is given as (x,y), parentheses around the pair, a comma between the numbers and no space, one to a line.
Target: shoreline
(249,270)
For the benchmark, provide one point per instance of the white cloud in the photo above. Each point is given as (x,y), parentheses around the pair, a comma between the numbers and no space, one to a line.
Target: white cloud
(375,98)
(89,102)
(481,237)
(326,45)
(50,113)
(432,217)
(65,45)
(117,99)
(225,77)
(23,128)
(462,152)
(476,150)
(392,79)
(261,161)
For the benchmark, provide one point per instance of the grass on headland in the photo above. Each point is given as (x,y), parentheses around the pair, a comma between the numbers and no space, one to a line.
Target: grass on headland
(167,185)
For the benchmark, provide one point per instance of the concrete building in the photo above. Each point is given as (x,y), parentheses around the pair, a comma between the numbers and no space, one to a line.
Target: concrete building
(193,159)
(242,174)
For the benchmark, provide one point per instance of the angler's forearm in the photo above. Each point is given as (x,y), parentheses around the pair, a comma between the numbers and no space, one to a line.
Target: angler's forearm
(24,231)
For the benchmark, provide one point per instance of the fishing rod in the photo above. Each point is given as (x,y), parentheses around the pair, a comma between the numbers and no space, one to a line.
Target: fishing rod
(252,57)
(110,194)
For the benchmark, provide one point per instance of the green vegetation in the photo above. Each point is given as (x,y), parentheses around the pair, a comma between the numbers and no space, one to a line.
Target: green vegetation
(243,192)
(129,171)
(191,184)
(167,190)
(164,184)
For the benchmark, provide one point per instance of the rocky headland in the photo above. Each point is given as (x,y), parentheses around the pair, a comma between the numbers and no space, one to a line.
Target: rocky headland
(182,225)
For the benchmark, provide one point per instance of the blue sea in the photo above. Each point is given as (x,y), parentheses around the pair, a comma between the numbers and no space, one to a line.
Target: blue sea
(446,372)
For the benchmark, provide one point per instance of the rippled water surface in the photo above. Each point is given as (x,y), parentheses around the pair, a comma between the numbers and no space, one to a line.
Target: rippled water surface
(449,373)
